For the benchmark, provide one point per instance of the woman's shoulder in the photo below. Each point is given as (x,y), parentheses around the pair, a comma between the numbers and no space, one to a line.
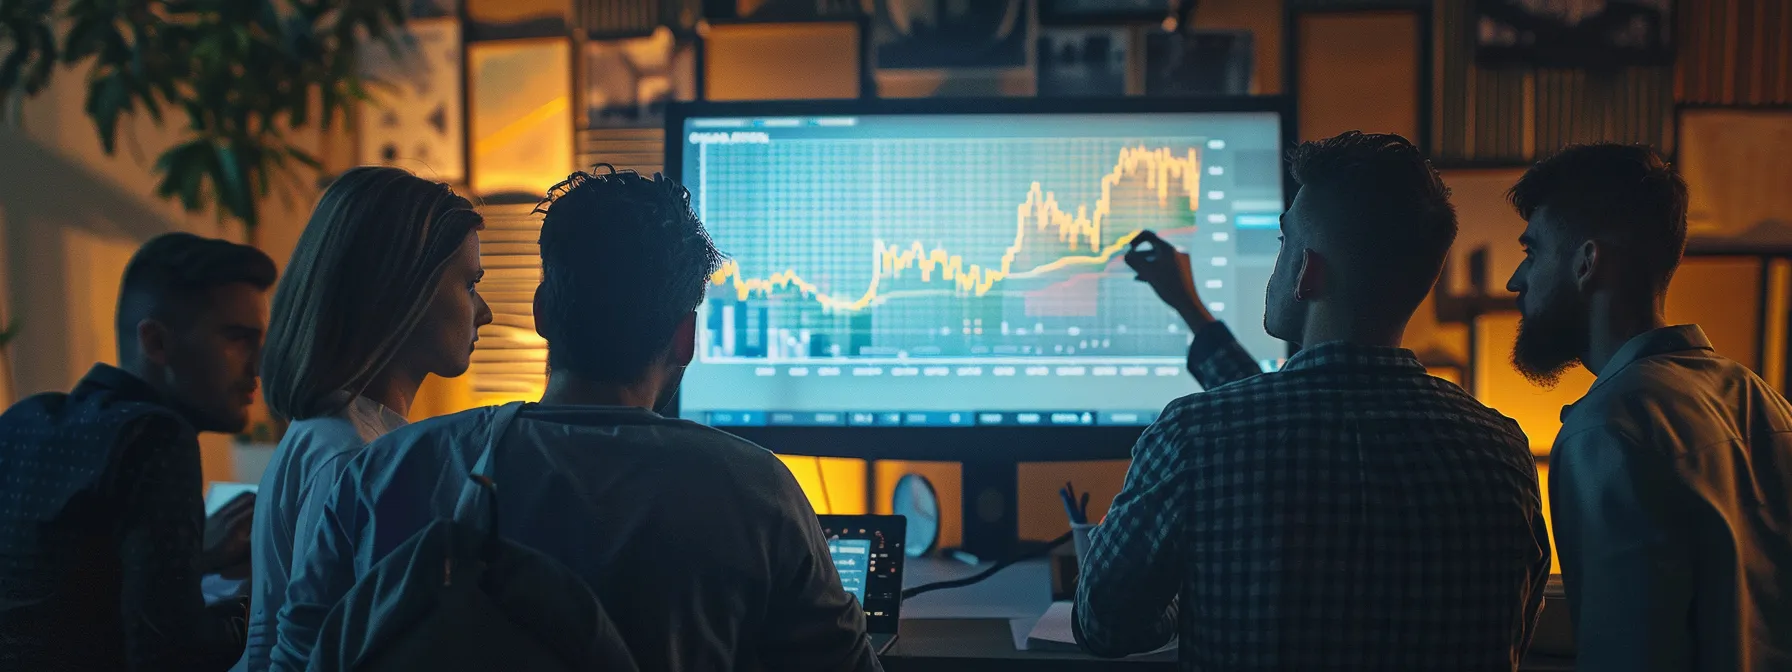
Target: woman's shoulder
(315,443)
(324,432)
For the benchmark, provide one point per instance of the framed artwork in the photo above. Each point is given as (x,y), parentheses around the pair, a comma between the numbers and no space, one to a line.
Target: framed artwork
(1737,163)
(518,19)
(752,60)
(1082,61)
(520,112)
(1574,33)
(413,120)
(628,82)
(931,34)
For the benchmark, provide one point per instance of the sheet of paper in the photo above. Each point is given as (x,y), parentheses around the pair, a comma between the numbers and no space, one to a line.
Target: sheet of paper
(1053,633)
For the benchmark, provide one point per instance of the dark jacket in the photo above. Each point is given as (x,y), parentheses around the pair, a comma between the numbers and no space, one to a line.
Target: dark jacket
(101,523)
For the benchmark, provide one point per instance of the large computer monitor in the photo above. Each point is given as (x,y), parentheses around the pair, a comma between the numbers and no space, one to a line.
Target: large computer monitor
(910,278)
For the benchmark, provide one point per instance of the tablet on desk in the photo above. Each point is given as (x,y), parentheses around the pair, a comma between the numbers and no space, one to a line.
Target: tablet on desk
(867,553)
(222,492)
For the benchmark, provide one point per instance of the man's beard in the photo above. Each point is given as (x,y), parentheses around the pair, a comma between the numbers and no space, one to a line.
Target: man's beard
(1550,343)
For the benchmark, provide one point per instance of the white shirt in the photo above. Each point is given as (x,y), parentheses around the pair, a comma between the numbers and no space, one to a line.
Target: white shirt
(309,458)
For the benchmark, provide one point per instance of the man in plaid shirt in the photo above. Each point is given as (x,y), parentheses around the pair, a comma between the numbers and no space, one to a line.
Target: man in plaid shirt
(1348,511)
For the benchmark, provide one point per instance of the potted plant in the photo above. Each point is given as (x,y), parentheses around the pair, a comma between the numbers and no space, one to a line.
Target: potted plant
(241,75)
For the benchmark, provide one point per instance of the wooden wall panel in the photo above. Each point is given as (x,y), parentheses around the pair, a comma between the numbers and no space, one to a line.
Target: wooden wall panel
(1629,105)
(1513,115)
(1479,115)
(1358,71)
(1734,52)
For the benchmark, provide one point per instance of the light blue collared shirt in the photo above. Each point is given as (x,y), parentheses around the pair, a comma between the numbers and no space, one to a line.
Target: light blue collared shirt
(309,457)
(1671,485)
(699,544)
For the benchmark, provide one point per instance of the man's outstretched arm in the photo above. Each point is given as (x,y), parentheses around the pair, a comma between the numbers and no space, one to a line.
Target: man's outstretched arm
(1215,357)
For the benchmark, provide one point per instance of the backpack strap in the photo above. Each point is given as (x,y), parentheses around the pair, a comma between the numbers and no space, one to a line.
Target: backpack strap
(483,468)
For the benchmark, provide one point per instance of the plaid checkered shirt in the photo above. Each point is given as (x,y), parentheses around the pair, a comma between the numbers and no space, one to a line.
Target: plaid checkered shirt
(1348,512)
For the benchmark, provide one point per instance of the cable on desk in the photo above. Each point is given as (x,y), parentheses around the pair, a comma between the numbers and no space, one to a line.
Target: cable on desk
(980,576)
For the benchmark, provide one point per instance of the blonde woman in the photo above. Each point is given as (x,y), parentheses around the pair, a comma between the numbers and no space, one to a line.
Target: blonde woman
(381,292)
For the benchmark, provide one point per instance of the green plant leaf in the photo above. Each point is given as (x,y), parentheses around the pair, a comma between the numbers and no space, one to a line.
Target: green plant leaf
(29,45)
(243,72)
(13,327)
(107,98)
(183,168)
(305,158)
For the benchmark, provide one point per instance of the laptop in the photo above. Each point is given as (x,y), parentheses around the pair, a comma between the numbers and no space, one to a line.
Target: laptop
(867,553)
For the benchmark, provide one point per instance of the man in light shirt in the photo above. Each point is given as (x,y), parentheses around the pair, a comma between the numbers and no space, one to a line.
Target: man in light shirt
(1669,481)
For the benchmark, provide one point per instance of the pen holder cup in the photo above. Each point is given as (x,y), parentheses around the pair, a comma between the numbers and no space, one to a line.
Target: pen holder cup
(1079,537)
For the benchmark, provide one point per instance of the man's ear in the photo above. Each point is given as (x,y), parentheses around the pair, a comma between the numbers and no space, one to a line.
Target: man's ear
(541,316)
(1309,279)
(1585,265)
(684,341)
(153,341)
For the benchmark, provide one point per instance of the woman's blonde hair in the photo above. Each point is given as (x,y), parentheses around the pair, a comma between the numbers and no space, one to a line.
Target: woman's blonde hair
(362,276)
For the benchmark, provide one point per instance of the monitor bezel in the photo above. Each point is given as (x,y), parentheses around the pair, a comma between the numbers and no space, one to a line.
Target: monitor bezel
(975,443)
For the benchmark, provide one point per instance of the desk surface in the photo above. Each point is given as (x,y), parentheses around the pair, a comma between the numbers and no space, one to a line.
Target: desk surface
(984,626)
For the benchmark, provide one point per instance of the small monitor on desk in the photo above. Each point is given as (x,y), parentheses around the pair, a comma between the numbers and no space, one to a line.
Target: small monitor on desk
(867,554)
(951,265)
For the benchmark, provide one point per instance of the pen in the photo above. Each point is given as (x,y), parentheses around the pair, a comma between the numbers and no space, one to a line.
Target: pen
(1082,507)
(1078,514)
(1069,506)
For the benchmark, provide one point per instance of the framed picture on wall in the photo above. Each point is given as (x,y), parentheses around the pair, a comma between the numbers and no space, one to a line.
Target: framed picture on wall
(520,113)
(928,34)
(752,60)
(413,117)
(1574,33)
(1082,61)
(1736,169)
(628,82)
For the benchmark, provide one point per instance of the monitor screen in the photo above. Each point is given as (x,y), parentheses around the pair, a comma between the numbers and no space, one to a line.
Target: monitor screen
(966,270)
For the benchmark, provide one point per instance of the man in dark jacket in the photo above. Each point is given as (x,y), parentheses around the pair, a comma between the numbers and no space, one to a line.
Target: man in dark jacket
(101,525)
